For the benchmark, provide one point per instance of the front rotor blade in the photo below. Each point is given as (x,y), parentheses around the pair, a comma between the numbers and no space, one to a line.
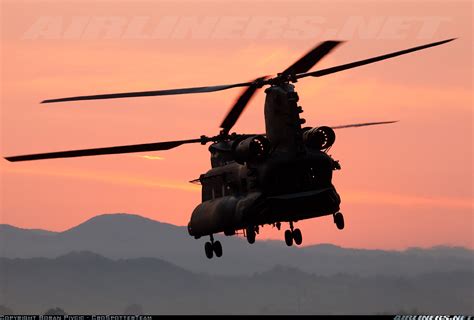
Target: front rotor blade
(355,64)
(355,125)
(308,61)
(239,106)
(151,93)
(101,151)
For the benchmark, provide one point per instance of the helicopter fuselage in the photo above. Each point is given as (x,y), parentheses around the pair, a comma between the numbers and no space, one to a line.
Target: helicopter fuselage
(293,182)
(281,190)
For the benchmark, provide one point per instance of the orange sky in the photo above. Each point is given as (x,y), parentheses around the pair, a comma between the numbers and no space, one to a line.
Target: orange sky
(402,185)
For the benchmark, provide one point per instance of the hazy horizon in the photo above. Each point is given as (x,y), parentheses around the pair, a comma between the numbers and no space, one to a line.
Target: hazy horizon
(163,288)
(184,231)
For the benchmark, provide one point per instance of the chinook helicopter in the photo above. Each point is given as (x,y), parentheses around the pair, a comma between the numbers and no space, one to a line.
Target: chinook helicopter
(283,175)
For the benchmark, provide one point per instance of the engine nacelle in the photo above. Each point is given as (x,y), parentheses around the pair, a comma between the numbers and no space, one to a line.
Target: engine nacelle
(319,138)
(251,150)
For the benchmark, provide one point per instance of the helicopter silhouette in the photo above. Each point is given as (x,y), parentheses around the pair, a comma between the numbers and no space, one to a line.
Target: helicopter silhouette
(283,175)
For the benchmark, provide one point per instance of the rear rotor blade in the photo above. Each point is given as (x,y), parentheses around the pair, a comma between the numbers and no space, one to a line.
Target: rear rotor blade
(101,151)
(355,64)
(239,106)
(308,61)
(355,125)
(151,93)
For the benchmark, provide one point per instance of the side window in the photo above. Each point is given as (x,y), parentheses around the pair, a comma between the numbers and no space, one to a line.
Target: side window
(215,187)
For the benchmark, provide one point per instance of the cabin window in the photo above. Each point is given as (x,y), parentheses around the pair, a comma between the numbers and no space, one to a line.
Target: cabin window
(215,187)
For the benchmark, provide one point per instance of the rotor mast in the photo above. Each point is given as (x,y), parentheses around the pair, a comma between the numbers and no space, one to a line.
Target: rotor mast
(282,120)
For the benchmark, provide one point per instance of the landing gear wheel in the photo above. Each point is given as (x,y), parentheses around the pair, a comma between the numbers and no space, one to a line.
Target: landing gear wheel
(208,249)
(339,220)
(288,238)
(250,235)
(297,236)
(217,247)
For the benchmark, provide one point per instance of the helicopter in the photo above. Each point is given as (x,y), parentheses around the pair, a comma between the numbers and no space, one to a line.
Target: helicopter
(281,176)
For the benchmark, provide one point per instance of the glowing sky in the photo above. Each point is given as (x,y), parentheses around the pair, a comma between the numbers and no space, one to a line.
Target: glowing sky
(402,185)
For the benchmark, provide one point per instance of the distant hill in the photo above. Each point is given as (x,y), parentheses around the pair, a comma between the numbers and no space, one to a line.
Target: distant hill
(84,282)
(131,236)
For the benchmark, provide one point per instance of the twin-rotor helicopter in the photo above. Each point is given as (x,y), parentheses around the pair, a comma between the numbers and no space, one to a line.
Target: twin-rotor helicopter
(283,175)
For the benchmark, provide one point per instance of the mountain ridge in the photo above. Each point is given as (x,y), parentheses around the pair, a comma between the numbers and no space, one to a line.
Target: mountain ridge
(132,236)
(87,283)
(106,216)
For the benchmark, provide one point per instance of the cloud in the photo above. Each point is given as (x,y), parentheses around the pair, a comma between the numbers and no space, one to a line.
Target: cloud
(150,157)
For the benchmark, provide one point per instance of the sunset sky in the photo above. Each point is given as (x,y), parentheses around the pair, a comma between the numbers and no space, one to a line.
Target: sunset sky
(402,185)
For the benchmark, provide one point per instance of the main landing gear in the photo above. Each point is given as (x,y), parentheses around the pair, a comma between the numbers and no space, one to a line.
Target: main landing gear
(339,220)
(293,235)
(251,233)
(213,247)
